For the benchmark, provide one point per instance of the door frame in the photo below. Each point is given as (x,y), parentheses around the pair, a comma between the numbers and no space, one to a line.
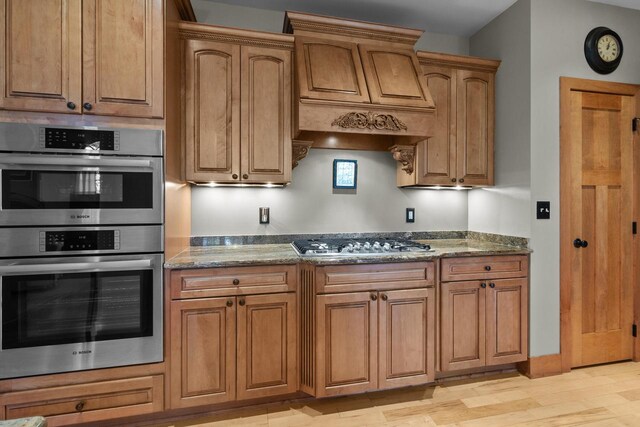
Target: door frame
(567,85)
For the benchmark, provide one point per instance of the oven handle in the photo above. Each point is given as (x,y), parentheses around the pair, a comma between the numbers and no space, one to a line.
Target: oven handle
(66,161)
(75,266)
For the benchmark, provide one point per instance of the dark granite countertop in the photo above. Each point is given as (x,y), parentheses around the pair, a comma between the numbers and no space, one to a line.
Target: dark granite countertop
(239,255)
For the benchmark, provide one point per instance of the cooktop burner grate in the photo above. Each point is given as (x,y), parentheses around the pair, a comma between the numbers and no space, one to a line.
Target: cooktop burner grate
(350,247)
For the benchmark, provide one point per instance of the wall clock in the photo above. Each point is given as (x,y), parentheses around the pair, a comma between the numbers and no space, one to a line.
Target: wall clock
(603,50)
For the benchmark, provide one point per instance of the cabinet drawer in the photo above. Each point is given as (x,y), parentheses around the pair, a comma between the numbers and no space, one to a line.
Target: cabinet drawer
(89,402)
(482,268)
(374,277)
(214,282)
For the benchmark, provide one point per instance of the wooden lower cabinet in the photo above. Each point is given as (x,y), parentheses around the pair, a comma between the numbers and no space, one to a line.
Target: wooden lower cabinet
(406,336)
(232,348)
(483,323)
(90,402)
(375,340)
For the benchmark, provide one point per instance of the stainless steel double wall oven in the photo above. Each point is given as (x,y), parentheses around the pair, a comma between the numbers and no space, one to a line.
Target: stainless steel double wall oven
(81,248)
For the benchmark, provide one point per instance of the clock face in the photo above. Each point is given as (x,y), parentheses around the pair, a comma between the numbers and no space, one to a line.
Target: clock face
(608,48)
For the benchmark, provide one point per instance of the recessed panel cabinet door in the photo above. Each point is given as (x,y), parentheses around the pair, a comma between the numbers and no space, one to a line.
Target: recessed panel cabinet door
(506,303)
(394,77)
(203,352)
(123,64)
(212,111)
(407,329)
(347,341)
(266,345)
(266,115)
(437,155)
(475,111)
(329,69)
(462,325)
(41,60)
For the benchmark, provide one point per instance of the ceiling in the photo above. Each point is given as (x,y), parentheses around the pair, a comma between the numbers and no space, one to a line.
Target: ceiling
(457,17)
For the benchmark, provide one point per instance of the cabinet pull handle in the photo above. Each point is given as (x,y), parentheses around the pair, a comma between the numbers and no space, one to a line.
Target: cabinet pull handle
(80,405)
(71,105)
(87,106)
(483,285)
(461,180)
(487,267)
(236,282)
(234,176)
(374,297)
(229,303)
(492,285)
(242,302)
(453,180)
(384,297)
(245,176)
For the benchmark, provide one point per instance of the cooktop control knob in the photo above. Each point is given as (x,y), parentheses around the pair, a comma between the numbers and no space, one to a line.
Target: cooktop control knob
(376,246)
(366,246)
(386,247)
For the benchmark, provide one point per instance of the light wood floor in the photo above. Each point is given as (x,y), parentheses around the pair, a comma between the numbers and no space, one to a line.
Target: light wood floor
(607,395)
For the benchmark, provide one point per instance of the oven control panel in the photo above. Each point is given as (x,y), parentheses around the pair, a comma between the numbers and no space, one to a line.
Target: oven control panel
(80,139)
(79,240)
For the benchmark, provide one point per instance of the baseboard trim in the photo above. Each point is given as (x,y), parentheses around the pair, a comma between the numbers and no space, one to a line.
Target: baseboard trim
(541,366)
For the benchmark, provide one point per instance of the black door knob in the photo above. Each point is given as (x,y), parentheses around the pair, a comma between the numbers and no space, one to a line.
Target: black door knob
(242,302)
(71,105)
(229,303)
(492,285)
(483,285)
(579,243)
(374,297)
(487,267)
(234,176)
(245,176)
(87,106)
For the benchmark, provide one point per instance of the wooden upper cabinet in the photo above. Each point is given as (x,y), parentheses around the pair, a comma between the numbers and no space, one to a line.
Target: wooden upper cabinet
(123,61)
(507,321)
(265,114)
(406,337)
(475,118)
(41,64)
(203,352)
(330,69)
(93,56)
(212,111)
(436,162)
(266,345)
(394,77)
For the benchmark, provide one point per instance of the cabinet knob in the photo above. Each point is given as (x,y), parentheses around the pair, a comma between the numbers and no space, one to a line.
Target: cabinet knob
(242,302)
(579,243)
(374,297)
(384,297)
(236,282)
(71,105)
(229,303)
(483,285)
(80,405)
(487,267)
(492,285)
(87,106)
(234,176)
(461,180)
(245,176)
(453,180)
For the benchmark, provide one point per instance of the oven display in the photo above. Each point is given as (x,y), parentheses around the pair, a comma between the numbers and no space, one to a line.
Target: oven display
(60,241)
(81,139)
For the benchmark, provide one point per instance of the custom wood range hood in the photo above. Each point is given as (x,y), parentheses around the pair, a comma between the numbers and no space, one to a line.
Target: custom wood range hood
(358,86)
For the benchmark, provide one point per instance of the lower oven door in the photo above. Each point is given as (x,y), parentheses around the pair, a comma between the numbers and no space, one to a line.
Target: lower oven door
(79,313)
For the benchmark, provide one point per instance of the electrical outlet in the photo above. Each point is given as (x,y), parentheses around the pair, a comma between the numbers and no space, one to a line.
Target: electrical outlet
(543,210)
(411,215)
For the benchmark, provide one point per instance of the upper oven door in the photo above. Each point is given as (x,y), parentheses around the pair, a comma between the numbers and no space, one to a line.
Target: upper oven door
(38,189)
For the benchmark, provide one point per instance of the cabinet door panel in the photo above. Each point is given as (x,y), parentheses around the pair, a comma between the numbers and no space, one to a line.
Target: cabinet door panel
(406,328)
(437,155)
(475,109)
(347,344)
(123,64)
(41,63)
(203,356)
(266,115)
(507,321)
(266,345)
(394,77)
(330,70)
(462,326)
(212,111)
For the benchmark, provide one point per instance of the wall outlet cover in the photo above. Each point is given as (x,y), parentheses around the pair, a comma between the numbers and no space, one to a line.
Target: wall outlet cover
(543,210)
(411,215)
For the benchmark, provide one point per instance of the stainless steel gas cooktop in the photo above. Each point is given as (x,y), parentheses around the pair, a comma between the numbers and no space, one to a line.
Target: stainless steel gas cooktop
(351,247)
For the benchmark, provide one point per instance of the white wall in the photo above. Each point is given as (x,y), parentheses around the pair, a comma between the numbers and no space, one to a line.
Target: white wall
(505,208)
(309,205)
